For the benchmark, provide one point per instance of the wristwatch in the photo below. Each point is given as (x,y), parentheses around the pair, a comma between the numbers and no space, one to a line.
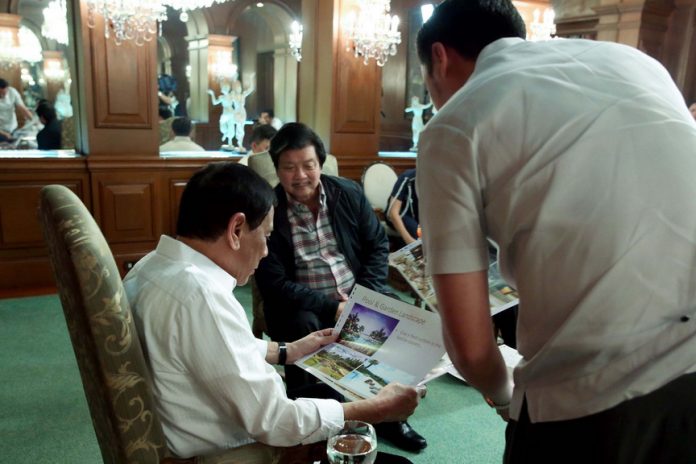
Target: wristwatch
(282,353)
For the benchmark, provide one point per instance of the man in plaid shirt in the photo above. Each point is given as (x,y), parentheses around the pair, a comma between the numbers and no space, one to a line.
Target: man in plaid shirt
(326,239)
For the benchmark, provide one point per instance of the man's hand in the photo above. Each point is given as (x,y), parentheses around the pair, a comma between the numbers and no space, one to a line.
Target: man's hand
(396,402)
(310,343)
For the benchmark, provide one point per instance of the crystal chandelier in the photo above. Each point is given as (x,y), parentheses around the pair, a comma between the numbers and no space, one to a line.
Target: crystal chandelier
(222,67)
(295,40)
(542,30)
(137,20)
(55,22)
(10,53)
(26,48)
(373,32)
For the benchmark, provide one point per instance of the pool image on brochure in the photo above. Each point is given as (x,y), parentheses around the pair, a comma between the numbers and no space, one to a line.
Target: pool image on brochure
(366,330)
(369,378)
(335,361)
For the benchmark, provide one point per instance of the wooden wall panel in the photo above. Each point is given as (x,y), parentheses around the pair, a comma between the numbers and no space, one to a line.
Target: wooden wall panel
(23,255)
(126,207)
(356,99)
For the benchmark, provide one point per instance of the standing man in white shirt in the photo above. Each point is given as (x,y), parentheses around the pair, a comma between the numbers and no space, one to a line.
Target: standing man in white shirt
(10,100)
(213,381)
(577,158)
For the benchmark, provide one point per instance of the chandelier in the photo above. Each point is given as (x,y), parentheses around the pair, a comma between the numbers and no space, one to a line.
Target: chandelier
(55,22)
(542,29)
(25,48)
(10,53)
(295,40)
(373,32)
(222,67)
(137,20)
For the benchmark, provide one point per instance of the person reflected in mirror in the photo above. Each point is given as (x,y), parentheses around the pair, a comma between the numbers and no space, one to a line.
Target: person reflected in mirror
(267,116)
(326,239)
(48,138)
(182,129)
(261,138)
(10,102)
(417,109)
(402,211)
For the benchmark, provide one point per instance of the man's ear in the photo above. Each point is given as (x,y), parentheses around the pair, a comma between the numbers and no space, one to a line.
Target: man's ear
(439,60)
(235,230)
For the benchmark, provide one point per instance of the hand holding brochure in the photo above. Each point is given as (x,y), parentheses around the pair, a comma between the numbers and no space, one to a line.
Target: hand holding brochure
(410,264)
(380,340)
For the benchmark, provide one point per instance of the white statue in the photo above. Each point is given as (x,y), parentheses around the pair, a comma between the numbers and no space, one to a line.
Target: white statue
(226,118)
(233,117)
(63,105)
(417,109)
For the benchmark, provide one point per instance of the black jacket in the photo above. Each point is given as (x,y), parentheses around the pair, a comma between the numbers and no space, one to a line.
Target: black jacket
(361,239)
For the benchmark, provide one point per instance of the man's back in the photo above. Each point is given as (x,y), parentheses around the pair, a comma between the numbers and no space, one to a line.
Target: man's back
(581,171)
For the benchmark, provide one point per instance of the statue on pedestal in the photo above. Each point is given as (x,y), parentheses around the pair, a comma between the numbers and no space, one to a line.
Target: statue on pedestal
(233,117)
(226,118)
(417,109)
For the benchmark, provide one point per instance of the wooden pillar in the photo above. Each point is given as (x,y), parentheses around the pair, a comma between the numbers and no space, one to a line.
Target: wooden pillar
(339,96)
(118,93)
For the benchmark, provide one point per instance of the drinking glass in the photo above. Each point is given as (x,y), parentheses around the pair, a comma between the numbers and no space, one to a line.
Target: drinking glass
(355,443)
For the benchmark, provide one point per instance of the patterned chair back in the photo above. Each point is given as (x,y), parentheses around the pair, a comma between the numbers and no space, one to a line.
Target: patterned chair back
(110,358)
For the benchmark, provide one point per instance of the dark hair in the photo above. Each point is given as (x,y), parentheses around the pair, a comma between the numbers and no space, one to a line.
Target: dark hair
(181,126)
(468,26)
(46,111)
(269,111)
(263,132)
(3,83)
(165,112)
(216,193)
(295,136)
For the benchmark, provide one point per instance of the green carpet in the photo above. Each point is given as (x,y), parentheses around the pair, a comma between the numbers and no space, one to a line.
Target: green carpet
(44,416)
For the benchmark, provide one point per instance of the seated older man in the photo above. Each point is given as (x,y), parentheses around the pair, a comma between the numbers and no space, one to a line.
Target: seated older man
(214,386)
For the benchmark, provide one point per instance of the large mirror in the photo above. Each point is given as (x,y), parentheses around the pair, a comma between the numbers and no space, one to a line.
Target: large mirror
(37,92)
(223,66)
(405,102)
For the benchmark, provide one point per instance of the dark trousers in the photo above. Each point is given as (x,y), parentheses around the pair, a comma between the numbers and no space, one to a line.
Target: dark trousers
(656,428)
(290,329)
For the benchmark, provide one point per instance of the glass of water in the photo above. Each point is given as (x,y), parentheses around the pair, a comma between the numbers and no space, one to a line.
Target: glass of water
(355,443)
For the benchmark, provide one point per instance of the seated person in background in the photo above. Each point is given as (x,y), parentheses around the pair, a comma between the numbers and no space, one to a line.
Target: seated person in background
(268,117)
(182,128)
(260,161)
(48,138)
(10,100)
(326,238)
(402,212)
(165,124)
(214,386)
(261,138)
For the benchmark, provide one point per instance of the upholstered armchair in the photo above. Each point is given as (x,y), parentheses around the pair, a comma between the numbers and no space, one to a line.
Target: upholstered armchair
(109,355)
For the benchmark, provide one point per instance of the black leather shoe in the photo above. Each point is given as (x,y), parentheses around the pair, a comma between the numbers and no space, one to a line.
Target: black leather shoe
(401,435)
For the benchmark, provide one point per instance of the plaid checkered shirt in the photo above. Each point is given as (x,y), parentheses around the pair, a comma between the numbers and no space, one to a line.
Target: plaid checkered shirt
(320,264)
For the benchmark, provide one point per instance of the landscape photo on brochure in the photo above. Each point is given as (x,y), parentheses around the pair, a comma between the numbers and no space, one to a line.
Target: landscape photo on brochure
(411,265)
(381,340)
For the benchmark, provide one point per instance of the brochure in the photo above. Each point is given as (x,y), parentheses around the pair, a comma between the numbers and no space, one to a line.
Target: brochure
(445,366)
(411,265)
(381,340)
